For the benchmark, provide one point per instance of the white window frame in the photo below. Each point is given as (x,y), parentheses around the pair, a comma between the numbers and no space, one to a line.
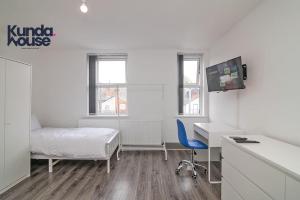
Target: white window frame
(112,57)
(199,84)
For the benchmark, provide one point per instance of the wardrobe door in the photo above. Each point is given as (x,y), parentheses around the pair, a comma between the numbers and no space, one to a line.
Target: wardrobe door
(17,121)
(2,104)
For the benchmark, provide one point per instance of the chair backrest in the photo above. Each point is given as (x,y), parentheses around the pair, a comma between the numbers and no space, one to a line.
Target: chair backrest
(182,133)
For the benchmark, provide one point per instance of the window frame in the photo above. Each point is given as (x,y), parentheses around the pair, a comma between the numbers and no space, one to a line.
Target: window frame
(109,57)
(198,78)
(199,83)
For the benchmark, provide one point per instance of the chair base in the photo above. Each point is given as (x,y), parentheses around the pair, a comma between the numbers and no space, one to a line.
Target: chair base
(193,164)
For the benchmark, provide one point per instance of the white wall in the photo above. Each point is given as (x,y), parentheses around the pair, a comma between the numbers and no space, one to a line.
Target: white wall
(60,85)
(269,42)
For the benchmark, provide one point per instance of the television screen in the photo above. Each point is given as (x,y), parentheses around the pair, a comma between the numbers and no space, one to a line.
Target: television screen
(225,76)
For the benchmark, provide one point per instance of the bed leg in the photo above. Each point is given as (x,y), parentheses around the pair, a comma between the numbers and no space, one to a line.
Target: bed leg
(50,165)
(108,166)
(119,147)
(166,152)
(118,151)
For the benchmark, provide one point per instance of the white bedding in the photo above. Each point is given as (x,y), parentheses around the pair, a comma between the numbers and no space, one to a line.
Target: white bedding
(71,142)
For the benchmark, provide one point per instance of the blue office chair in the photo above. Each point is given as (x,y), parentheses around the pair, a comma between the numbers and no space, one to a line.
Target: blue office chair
(190,144)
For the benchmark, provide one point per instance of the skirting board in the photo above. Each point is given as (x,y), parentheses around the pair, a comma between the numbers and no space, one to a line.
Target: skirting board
(13,184)
(202,155)
(175,146)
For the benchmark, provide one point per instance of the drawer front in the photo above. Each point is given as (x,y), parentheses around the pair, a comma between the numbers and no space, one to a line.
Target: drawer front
(246,189)
(228,193)
(267,178)
(292,189)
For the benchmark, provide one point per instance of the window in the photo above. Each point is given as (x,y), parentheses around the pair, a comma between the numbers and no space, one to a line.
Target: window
(107,85)
(189,90)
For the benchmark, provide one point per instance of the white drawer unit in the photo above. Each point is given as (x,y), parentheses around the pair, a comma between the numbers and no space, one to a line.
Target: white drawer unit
(246,189)
(260,171)
(292,189)
(228,193)
(263,175)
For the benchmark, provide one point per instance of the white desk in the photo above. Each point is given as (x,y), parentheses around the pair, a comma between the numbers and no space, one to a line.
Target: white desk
(275,173)
(213,133)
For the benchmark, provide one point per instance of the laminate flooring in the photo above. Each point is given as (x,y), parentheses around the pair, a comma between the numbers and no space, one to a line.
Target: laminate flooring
(138,175)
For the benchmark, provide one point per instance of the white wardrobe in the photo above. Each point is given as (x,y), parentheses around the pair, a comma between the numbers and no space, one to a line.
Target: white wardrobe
(15,116)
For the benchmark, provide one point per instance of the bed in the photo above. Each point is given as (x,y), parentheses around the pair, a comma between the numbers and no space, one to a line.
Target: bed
(55,144)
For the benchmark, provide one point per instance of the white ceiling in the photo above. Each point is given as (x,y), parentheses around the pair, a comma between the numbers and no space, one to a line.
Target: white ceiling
(128,24)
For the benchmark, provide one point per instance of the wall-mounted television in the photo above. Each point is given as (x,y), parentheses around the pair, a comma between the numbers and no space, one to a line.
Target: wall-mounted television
(226,76)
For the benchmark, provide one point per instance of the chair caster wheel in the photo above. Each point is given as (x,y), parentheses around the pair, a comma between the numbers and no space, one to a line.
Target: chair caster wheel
(177,171)
(205,172)
(194,176)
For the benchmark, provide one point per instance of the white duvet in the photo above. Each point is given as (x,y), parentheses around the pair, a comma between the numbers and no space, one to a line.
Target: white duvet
(71,142)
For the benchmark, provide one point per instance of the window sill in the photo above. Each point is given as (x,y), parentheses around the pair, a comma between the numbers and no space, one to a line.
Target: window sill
(104,116)
(192,116)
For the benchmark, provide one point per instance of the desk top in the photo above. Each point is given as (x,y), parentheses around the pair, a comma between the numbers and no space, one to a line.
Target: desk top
(213,132)
(215,127)
(281,155)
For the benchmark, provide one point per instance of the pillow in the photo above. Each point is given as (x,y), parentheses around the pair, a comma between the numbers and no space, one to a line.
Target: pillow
(35,124)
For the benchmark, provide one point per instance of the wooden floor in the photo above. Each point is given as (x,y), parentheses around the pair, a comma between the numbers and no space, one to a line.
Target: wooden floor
(141,175)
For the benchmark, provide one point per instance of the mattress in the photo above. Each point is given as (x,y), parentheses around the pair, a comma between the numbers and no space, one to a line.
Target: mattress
(71,142)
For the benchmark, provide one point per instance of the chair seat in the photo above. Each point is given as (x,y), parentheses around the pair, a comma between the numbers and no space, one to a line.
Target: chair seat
(196,144)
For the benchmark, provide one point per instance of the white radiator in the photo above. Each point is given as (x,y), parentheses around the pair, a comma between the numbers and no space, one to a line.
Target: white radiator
(133,132)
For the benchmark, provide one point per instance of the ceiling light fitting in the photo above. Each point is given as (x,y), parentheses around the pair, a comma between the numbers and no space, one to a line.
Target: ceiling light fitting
(83,7)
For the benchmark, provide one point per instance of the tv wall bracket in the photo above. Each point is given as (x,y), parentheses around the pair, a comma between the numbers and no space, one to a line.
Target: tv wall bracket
(244,67)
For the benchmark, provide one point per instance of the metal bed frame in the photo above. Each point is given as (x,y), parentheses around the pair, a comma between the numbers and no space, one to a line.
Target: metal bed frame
(110,147)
